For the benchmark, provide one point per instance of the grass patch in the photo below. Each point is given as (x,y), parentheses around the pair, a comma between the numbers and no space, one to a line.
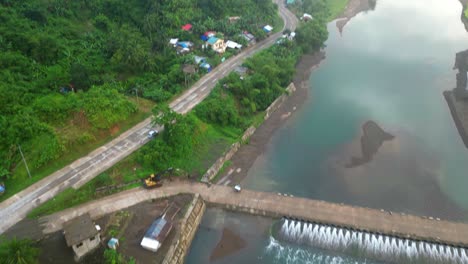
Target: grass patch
(336,7)
(20,179)
(466,12)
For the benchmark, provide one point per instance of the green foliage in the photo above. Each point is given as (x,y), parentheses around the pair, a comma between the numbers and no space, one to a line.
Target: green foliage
(66,66)
(105,106)
(113,257)
(466,12)
(219,108)
(17,251)
(235,101)
(312,35)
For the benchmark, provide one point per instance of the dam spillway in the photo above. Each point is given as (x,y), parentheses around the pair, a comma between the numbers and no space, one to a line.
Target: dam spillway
(378,246)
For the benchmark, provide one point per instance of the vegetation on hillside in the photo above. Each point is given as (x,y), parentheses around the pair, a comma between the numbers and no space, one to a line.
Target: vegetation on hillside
(67,68)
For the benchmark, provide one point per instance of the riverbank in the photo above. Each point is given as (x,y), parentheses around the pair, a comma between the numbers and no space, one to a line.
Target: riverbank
(464,17)
(243,160)
(457,98)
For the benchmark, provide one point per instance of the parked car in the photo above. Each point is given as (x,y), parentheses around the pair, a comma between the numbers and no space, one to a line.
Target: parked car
(152,133)
(237,188)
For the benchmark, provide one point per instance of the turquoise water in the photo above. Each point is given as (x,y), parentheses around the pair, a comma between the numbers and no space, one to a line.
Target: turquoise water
(391,66)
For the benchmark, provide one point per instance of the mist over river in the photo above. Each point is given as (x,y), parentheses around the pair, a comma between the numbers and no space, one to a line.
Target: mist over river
(389,66)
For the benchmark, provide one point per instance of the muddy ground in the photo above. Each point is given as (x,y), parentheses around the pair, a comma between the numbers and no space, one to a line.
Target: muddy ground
(54,249)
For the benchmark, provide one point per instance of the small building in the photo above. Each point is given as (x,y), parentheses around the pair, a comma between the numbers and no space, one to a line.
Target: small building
(292,35)
(173,41)
(233,19)
(82,235)
(159,230)
(306,17)
(216,44)
(233,45)
(241,70)
(267,29)
(187,27)
(249,37)
(206,66)
(210,34)
(199,59)
(290,2)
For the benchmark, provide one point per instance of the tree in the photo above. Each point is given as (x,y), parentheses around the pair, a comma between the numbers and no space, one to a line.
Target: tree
(312,35)
(17,251)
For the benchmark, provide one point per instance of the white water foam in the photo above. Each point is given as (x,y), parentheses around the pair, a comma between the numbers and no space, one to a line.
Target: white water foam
(285,254)
(375,245)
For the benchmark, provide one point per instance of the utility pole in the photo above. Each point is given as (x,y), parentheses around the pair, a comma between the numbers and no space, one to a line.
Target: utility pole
(136,93)
(24,160)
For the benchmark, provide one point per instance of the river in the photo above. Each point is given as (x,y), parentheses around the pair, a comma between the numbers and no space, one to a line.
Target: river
(389,66)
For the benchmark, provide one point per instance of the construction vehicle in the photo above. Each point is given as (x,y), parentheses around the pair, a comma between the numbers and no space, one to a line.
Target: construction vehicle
(154,181)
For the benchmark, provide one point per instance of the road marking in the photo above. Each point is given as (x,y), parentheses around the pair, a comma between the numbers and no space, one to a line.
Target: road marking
(224,72)
(214,80)
(192,96)
(204,88)
(203,82)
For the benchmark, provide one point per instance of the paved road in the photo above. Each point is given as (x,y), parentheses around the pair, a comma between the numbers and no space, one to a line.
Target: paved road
(81,171)
(273,204)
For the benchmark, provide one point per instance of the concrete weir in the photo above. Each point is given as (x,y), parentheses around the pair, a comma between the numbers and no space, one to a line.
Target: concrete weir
(277,205)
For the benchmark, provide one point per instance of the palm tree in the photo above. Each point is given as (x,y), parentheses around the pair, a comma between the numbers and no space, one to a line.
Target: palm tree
(17,251)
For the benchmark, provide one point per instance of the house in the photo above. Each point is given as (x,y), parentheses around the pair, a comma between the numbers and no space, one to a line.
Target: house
(290,2)
(249,37)
(187,27)
(82,235)
(233,45)
(216,44)
(267,29)
(306,17)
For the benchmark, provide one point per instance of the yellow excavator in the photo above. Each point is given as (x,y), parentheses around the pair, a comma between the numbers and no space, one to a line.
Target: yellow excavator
(154,181)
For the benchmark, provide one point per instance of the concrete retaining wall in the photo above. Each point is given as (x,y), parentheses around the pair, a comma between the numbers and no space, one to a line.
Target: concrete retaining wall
(277,103)
(214,169)
(189,225)
(450,98)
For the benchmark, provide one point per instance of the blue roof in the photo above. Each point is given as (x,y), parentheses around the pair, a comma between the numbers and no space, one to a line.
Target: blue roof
(212,40)
(290,2)
(2,189)
(204,38)
(113,241)
(155,228)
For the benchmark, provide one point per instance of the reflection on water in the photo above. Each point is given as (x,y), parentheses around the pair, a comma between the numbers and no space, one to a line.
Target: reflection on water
(391,66)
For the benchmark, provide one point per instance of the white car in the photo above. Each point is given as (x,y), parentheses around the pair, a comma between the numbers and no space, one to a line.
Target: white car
(153,133)
(237,188)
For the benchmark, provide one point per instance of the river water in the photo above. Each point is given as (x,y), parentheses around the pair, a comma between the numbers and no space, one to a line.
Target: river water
(390,66)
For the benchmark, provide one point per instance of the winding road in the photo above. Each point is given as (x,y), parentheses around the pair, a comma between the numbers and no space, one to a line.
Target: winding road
(83,170)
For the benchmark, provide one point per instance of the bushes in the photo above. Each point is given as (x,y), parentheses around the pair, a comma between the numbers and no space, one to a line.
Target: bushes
(105,106)
(219,108)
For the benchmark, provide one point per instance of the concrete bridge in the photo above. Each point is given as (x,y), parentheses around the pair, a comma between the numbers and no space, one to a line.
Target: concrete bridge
(275,205)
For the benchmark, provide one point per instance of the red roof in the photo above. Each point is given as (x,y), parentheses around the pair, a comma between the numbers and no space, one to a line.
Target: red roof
(187,27)
(208,33)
